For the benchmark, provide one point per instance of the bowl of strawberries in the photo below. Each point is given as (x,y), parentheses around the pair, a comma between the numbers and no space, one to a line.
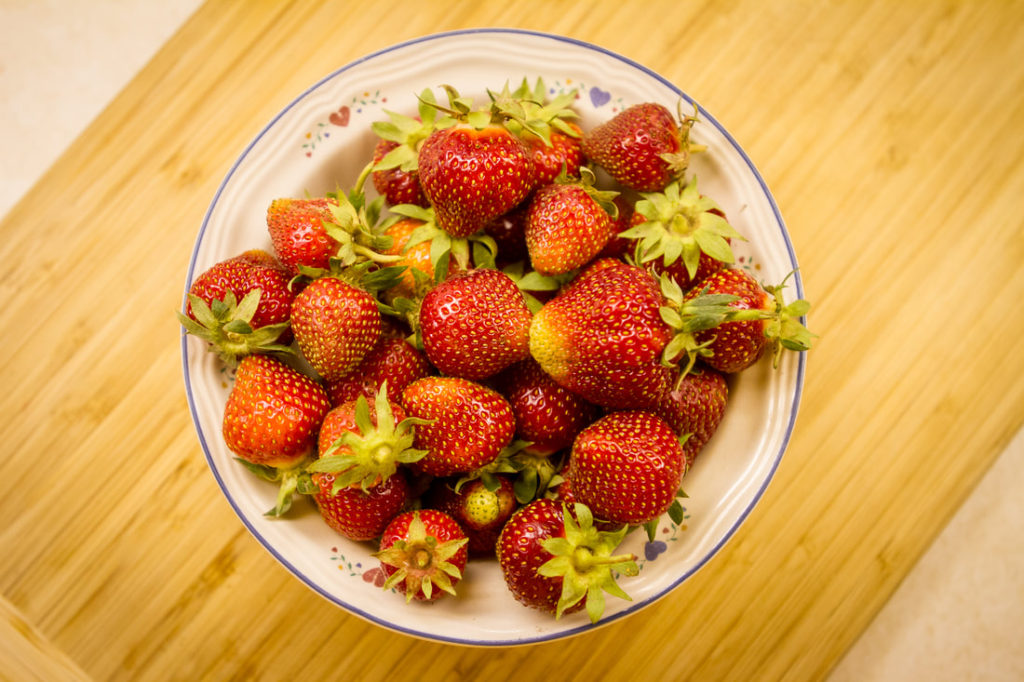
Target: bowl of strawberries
(493,337)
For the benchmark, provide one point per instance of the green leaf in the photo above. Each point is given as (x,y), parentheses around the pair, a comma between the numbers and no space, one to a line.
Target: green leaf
(671,317)
(671,290)
(204,315)
(652,529)
(479,119)
(714,245)
(798,308)
(675,512)
(401,156)
(362,415)
(441,266)
(595,603)
(534,281)
(483,257)
(674,348)
(238,327)
(427,106)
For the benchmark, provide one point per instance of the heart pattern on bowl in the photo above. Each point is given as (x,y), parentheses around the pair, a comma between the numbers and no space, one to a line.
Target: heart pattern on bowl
(599,97)
(340,117)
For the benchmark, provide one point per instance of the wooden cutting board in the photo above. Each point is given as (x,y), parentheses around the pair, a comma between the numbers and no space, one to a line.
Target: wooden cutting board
(891,135)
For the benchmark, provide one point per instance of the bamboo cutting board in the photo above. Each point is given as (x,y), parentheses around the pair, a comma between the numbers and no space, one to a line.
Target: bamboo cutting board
(891,135)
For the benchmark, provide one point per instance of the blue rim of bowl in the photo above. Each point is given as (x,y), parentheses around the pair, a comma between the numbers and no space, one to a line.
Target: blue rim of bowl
(633,608)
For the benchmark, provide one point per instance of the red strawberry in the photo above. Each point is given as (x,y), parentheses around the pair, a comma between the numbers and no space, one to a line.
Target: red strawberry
(393,360)
(643,147)
(480,510)
(423,553)
(359,514)
(359,485)
(395,174)
(473,175)
(559,564)
(553,142)
(364,447)
(241,305)
(618,246)
(627,467)
(509,233)
(273,413)
(469,424)
(297,231)
(682,233)
(695,406)
(335,325)
(475,324)
(562,494)
(603,336)
(394,184)
(564,153)
(270,422)
(547,414)
(759,320)
(568,223)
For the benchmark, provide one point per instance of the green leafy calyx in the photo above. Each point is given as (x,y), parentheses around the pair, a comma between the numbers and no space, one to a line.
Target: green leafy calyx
(583,559)
(226,324)
(681,223)
(372,454)
(422,563)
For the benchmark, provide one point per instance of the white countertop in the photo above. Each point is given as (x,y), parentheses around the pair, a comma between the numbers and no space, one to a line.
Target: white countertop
(957,615)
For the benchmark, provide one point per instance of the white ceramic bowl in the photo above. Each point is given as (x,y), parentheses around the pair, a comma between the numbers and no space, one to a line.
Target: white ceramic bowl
(318,144)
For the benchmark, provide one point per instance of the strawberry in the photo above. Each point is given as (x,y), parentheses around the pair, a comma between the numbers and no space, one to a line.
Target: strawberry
(479,168)
(627,467)
(509,234)
(475,324)
(472,175)
(682,233)
(298,234)
(695,407)
(603,336)
(241,305)
(335,324)
(643,147)
(395,175)
(415,257)
(564,153)
(423,553)
(394,184)
(480,510)
(393,360)
(568,223)
(547,414)
(558,562)
(359,485)
(271,420)
(469,424)
(562,494)
(273,412)
(359,514)
(760,320)
(364,447)
(618,246)
(553,143)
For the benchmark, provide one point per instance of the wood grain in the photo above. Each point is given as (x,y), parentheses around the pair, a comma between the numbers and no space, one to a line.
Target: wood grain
(891,136)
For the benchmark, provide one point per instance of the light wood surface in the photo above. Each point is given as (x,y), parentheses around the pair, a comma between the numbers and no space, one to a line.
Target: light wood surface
(891,135)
